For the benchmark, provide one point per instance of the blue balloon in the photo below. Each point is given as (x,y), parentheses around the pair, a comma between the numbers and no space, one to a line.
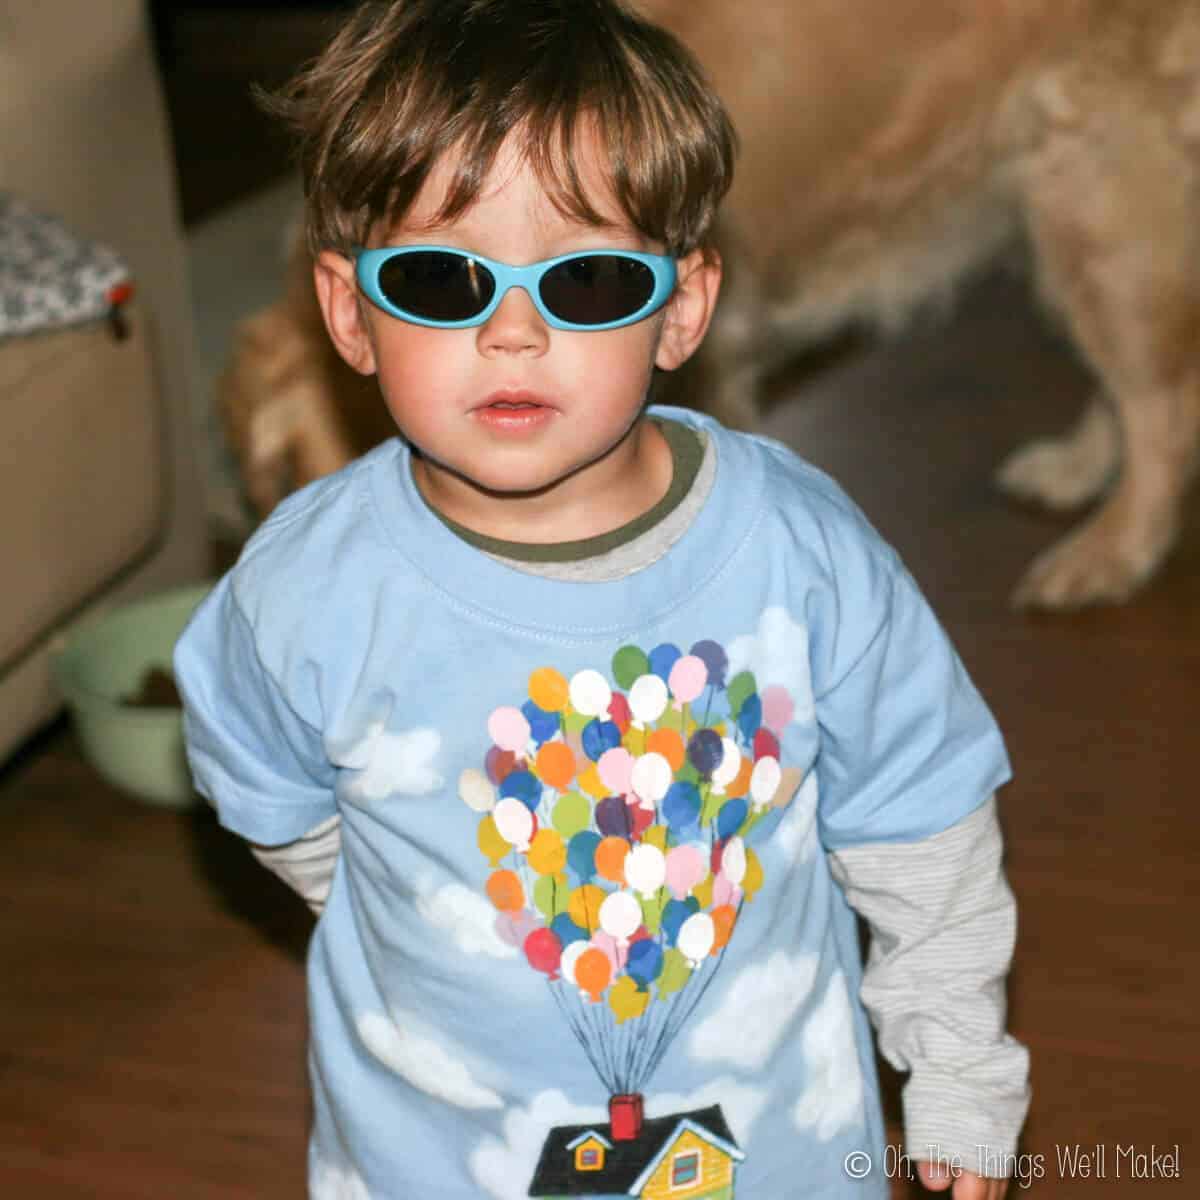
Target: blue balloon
(750,718)
(675,912)
(662,659)
(523,786)
(705,751)
(731,817)
(567,930)
(543,725)
(599,736)
(581,854)
(681,806)
(644,962)
(713,656)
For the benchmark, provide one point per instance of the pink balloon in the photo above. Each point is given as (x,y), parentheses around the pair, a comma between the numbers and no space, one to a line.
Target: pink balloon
(688,677)
(611,949)
(514,928)
(777,707)
(509,729)
(685,868)
(615,767)
(723,891)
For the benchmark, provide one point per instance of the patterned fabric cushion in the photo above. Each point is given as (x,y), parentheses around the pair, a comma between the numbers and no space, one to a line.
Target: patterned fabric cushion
(51,278)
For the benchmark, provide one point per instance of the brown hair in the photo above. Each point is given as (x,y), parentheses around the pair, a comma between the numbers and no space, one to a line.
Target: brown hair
(407,80)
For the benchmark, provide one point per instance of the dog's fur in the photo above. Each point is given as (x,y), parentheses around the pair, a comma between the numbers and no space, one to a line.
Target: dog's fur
(889,146)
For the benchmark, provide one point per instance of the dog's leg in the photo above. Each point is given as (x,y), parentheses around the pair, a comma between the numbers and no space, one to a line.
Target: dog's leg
(1067,472)
(1111,200)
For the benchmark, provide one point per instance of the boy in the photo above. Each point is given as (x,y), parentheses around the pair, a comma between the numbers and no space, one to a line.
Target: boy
(580,724)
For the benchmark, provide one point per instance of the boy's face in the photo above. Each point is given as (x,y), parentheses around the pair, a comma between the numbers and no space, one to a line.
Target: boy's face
(514,417)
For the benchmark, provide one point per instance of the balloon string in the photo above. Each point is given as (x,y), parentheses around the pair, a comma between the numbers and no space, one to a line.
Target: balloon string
(581,1036)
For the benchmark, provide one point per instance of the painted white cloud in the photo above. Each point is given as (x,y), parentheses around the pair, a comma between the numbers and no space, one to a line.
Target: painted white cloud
(424,1062)
(777,653)
(391,763)
(467,916)
(504,1168)
(796,834)
(327,1182)
(755,1011)
(833,1096)
(740,1103)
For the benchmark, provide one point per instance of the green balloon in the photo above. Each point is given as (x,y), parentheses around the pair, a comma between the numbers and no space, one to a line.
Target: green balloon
(572,814)
(740,688)
(652,910)
(552,896)
(573,722)
(675,973)
(629,664)
(711,806)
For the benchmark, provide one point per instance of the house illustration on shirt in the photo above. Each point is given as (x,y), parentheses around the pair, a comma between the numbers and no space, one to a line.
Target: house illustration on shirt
(686,1156)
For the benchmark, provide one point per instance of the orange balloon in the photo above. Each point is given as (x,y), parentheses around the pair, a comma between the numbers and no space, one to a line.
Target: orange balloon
(610,858)
(555,765)
(723,918)
(548,689)
(592,972)
(669,744)
(505,891)
(741,781)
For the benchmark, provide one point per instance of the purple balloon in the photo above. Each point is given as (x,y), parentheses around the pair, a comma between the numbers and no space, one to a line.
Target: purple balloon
(713,656)
(705,751)
(612,817)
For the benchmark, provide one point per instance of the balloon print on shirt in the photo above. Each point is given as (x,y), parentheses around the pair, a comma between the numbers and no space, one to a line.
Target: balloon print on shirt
(616,815)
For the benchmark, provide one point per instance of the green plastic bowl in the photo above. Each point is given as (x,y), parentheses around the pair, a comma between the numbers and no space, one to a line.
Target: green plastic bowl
(104,659)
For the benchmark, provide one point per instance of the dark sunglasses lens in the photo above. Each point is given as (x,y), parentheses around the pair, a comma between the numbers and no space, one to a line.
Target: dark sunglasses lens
(596,288)
(437,286)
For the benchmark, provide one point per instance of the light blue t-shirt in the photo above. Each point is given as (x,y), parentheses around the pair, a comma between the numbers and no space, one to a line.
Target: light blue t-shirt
(582,939)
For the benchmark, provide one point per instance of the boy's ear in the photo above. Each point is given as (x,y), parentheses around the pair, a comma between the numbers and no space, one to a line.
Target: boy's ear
(690,308)
(341,306)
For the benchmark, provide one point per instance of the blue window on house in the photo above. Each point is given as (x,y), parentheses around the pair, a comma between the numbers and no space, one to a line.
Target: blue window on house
(590,1158)
(685,1169)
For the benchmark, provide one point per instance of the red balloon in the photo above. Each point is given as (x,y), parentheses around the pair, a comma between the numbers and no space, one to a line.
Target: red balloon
(640,819)
(544,951)
(766,744)
(619,712)
(499,764)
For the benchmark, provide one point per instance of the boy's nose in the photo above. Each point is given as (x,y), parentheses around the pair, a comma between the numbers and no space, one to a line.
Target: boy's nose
(516,327)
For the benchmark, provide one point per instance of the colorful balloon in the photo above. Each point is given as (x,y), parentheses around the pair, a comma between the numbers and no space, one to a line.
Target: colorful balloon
(753,879)
(615,767)
(476,791)
(618,711)
(766,744)
(705,751)
(669,744)
(551,895)
(523,786)
(487,837)
(662,659)
(593,972)
(600,736)
(547,852)
(675,912)
(646,869)
(627,1000)
(613,950)
(681,808)
(687,678)
(570,956)
(740,687)
(715,660)
(590,693)
(765,781)
(543,725)
(515,822)
(620,915)
(652,776)
(731,761)
(571,814)
(544,951)
(729,819)
(685,867)
(696,937)
(581,854)
(777,707)
(567,931)
(723,918)
(584,906)
(749,717)
(555,765)
(613,817)
(628,664)
(733,861)
(548,689)
(648,699)
(676,973)
(505,891)
(644,962)
(610,858)
(498,763)
(509,729)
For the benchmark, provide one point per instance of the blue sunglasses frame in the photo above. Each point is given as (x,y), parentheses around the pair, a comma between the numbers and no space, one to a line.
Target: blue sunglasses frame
(369,263)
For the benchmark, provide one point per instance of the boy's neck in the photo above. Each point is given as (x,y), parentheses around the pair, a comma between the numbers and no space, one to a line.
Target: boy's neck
(603,495)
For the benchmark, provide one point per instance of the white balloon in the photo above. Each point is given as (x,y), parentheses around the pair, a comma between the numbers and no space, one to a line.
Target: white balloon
(733,861)
(475,790)
(696,937)
(652,776)
(646,869)
(730,764)
(570,956)
(648,698)
(514,822)
(620,915)
(590,693)
(765,780)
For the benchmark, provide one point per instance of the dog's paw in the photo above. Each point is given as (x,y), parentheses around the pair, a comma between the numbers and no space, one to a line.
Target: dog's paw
(1056,473)
(1088,567)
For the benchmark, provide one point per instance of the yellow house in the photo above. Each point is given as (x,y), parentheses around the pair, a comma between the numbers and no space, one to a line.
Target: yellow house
(685,1156)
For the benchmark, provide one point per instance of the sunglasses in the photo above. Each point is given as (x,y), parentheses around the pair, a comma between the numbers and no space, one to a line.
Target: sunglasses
(451,289)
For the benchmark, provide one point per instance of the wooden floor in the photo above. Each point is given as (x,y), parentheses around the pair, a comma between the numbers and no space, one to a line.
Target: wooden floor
(151,998)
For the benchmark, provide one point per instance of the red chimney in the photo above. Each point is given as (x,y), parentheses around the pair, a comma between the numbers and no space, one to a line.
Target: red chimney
(625,1117)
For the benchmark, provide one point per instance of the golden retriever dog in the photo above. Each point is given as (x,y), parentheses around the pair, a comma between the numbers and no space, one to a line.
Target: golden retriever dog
(888,147)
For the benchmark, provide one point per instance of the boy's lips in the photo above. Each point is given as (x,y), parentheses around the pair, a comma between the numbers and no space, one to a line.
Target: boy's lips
(513,411)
